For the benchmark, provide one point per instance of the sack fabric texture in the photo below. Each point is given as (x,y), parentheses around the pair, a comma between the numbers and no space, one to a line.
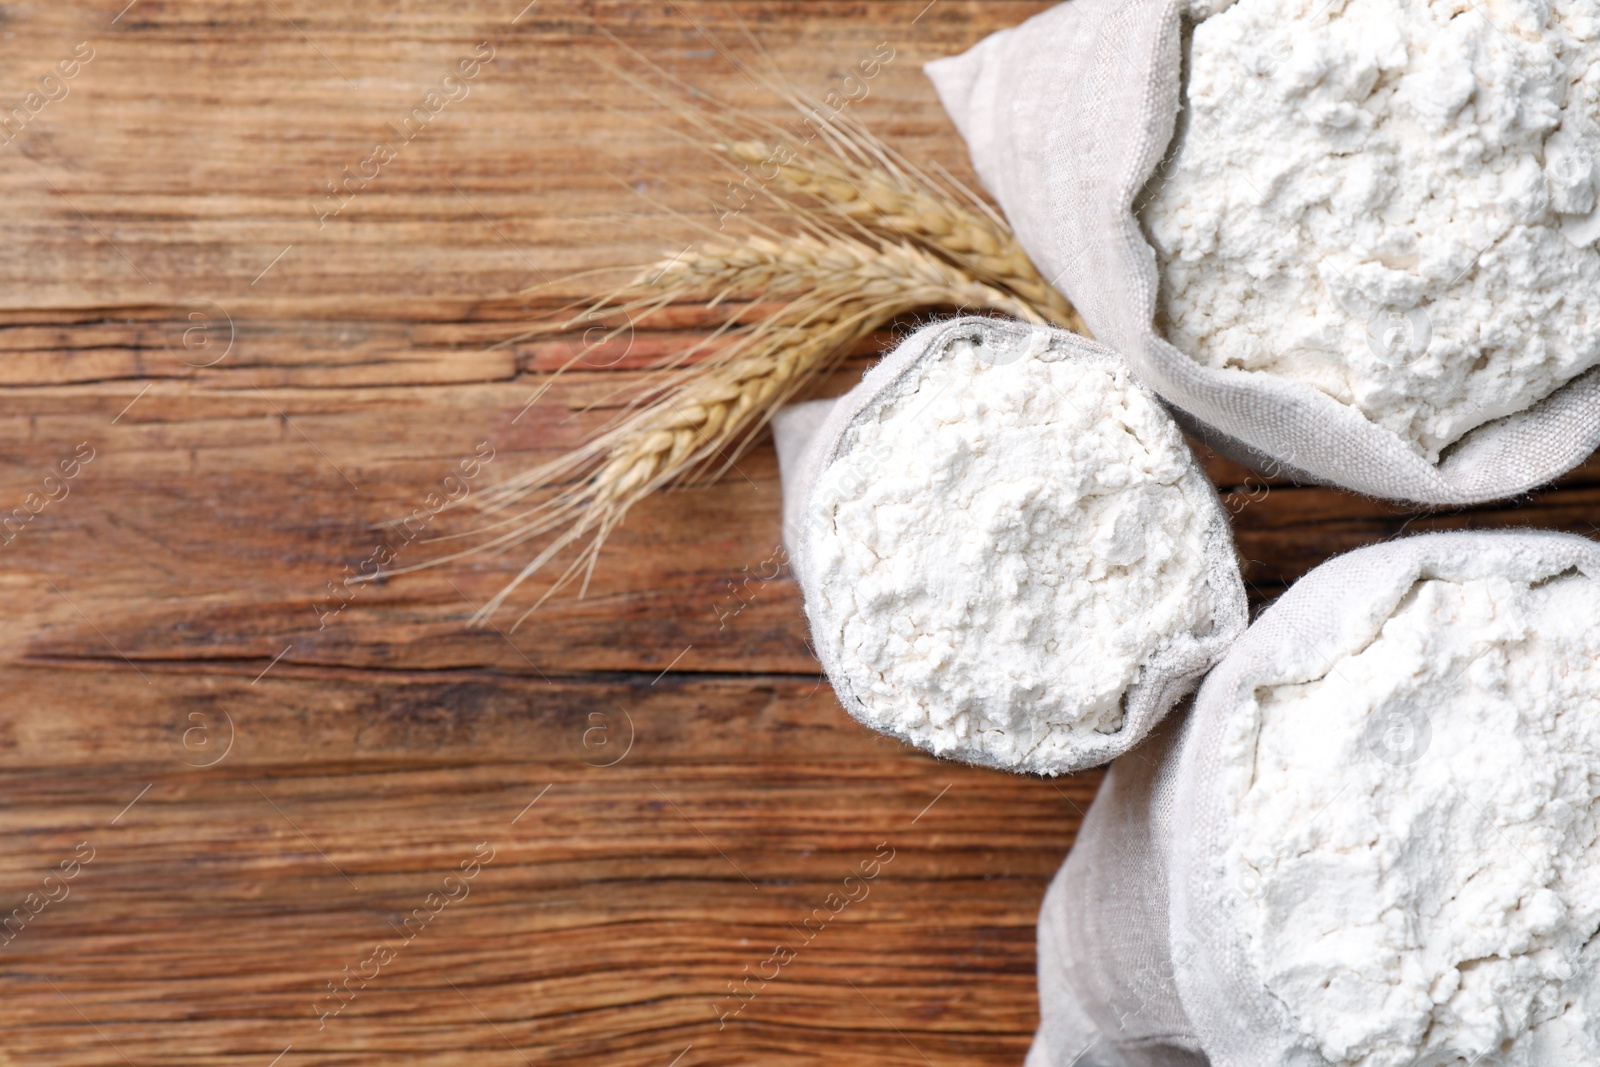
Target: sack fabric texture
(1066,117)
(1142,957)
(810,435)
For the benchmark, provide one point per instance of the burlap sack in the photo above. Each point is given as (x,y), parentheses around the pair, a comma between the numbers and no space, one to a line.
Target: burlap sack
(1107,996)
(1142,959)
(810,436)
(1067,117)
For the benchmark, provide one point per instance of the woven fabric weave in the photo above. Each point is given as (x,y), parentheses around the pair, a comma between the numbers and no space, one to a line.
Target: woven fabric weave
(810,436)
(1066,118)
(1143,960)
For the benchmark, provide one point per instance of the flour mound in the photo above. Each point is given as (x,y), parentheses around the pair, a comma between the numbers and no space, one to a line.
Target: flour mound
(1416,847)
(1391,200)
(1000,547)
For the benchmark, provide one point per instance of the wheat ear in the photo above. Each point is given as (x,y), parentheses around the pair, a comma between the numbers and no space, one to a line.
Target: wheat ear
(898,242)
(904,207)
(842,167)
(712,409)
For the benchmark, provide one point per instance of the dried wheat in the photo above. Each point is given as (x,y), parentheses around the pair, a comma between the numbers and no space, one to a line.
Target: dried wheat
(872,237)
(711,410)
(910,208)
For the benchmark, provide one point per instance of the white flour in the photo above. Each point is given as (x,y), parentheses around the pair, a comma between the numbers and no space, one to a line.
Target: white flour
(1417,848)
(1392,200)
(1000,551)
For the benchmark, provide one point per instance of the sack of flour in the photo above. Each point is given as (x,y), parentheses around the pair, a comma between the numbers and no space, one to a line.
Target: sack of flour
(1008,553)
(1372,840)
(1350,243)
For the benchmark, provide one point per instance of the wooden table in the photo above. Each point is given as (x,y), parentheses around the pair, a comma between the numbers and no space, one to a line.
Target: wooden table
(255,784)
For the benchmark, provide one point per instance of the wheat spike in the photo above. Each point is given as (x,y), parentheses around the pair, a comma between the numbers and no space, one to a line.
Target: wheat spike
(860,289)
(896,206)
(820,269)
(712,410)
(760,264)
(841,166)
(871,237)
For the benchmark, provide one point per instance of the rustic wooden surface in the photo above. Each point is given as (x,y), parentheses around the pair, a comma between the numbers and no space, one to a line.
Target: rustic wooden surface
(267,794)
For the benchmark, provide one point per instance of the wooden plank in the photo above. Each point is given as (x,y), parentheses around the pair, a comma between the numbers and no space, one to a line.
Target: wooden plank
(248,841)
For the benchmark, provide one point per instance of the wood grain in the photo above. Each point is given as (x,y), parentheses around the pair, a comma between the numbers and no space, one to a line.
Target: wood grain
(270,789)
(269,792)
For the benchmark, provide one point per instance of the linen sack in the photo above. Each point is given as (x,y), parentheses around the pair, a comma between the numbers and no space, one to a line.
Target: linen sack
(1142,957)
(810,436)
(1067,117)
